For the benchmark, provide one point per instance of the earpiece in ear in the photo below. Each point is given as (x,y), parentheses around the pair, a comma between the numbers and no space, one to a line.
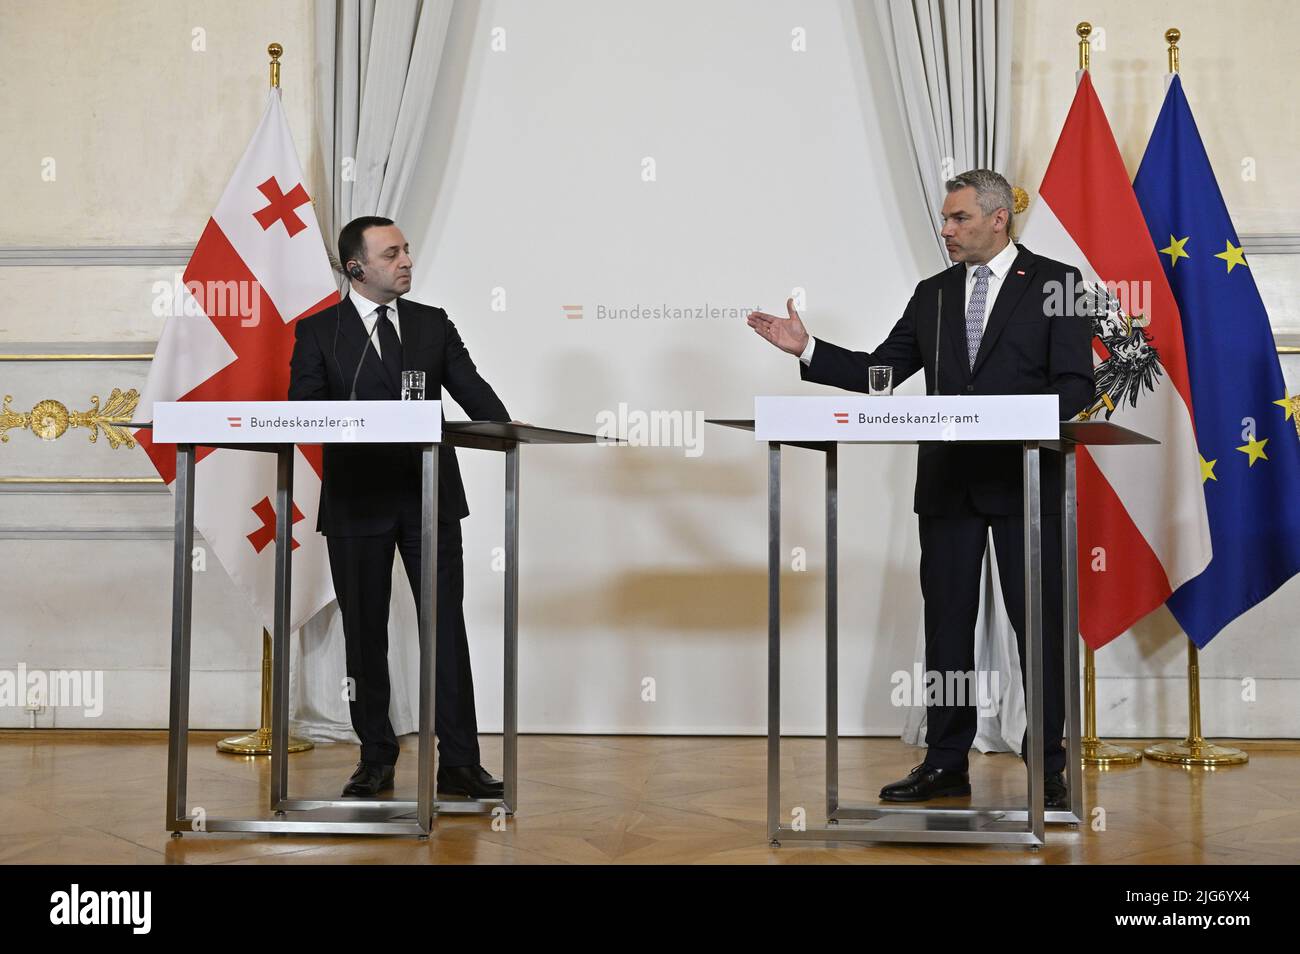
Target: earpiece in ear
(356,272)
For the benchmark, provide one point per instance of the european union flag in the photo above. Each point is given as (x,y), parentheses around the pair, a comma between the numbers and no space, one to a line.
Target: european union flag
(1245,419)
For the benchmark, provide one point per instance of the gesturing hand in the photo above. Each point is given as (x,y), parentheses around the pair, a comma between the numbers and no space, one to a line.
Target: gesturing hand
(788,334)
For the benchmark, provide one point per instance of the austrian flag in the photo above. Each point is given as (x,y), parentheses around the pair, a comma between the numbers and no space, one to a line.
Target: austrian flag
(1143,529)
(259,266)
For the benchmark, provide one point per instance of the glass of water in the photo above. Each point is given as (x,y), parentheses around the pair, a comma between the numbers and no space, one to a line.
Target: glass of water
(412,385)
(880,379)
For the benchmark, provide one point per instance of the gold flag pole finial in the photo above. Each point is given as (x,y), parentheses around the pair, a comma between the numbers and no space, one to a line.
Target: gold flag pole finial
(276,51)
(1172,36)
(1084,30)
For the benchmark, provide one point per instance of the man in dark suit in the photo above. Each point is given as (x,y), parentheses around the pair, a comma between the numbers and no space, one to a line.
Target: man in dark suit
(370,497)
(998,334)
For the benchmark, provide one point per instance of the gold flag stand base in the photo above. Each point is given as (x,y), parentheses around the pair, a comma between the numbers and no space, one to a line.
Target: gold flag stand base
(1097,752)
(259,742)
(1194,750)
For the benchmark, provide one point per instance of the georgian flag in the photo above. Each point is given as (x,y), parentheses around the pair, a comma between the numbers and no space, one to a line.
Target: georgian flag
(1143,529)
(259,266)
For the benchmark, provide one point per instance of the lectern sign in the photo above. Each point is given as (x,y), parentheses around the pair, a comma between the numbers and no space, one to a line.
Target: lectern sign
(894,418)
(297,422)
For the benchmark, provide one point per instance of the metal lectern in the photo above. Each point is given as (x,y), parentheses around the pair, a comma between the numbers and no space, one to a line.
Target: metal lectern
(371,816)
(888,822)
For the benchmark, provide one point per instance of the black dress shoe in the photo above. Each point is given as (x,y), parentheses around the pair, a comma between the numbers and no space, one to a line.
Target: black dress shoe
(470,780)
(370,778)
(925,782)
(1055,793)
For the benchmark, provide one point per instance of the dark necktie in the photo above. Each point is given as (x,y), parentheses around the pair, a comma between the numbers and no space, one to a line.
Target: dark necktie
(390,346)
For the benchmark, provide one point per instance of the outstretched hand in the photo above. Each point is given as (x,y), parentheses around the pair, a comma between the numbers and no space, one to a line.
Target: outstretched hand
(788,334)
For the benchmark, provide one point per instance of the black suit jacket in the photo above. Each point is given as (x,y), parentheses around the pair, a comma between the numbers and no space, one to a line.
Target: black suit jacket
(1023,351)
(365,486)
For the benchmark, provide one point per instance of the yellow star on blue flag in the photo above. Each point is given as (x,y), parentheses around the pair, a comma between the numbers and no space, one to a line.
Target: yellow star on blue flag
(1234,375)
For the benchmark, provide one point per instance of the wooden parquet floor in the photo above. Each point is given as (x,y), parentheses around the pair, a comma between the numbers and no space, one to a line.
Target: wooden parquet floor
(97,797)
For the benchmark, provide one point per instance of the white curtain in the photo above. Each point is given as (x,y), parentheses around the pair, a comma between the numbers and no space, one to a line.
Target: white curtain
(999,724)
(951,62)
(376,68)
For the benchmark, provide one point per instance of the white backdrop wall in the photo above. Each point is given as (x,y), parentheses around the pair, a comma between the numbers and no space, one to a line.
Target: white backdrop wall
(774,169)
(771,171)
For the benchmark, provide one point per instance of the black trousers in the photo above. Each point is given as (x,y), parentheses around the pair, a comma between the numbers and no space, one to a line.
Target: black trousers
(952,551)
(362,568)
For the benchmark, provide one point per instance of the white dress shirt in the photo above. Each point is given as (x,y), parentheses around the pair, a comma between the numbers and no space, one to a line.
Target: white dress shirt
(999,265)
(368,311)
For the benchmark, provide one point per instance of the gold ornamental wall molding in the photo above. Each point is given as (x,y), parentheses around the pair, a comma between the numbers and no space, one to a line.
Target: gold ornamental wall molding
(50,419)
(50,415)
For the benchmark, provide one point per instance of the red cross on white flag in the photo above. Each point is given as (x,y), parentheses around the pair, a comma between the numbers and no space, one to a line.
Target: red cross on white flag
(259,266)
(282,207)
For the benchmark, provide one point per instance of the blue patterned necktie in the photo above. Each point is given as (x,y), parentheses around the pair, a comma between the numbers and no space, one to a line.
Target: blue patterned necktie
(975,313)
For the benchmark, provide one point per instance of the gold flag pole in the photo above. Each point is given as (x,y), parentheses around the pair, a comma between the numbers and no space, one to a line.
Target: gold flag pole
(1193,750)
(259,742)
(1093,749)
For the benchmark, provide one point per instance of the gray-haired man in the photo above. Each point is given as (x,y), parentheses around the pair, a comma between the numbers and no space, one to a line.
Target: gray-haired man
(994,336)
